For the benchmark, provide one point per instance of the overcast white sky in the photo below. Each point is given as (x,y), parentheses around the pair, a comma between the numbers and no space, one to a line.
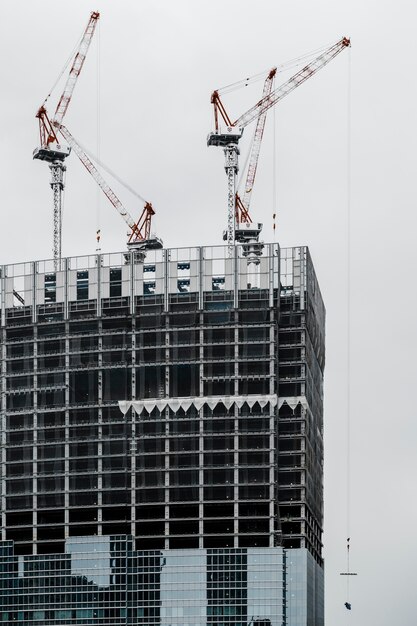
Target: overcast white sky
(159,62)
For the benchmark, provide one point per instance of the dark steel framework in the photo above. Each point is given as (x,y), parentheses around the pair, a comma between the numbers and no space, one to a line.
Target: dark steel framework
(95,334)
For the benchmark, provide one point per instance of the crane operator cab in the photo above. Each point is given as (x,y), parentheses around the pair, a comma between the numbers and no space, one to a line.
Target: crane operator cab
(54,152)
(232,134)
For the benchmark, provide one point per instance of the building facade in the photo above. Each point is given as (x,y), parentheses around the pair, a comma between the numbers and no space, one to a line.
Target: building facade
(161,439)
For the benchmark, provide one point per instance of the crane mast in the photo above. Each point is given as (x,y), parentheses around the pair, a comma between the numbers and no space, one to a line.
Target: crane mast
(50,148)
(229,138)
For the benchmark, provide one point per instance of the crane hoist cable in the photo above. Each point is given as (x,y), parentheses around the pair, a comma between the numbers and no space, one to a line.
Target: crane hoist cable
(98,142)
(65,67)
(348,573)
(140,231)
(113,174)
(282,67)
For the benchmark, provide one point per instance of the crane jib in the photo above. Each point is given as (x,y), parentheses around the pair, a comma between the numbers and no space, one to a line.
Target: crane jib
(291,84)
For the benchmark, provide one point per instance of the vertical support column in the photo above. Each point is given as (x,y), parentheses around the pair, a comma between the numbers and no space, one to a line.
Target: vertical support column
(303,276)
(67,415)
(201,278)
(99,260)
(100,421)
(133,446)
(130,260)
(166,279)
(3,408)
(132,484)
(235,270)
(273,433)
(235,407)
(66,282)
(3,295)
(273,412)
(34,303)
(3,365)
(35,440)
(167,381)
(166,478)
(273,267)
(201,432)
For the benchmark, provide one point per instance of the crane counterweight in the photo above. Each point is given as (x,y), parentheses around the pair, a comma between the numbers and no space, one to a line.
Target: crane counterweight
(225,138)
(51,154)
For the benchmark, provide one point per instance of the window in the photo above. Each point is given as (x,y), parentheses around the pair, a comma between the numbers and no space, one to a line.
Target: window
(82,285)
(115,282)
(50,288)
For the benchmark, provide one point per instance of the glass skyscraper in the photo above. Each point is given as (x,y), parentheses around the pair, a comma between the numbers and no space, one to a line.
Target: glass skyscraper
(161,439)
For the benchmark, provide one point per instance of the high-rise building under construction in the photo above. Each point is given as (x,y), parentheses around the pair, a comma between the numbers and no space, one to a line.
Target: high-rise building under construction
(161,439)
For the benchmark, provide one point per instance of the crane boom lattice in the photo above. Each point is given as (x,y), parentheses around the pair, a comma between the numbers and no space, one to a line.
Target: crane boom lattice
(75,70)
(292,83)
(91,168)
(140,230)
(256,148)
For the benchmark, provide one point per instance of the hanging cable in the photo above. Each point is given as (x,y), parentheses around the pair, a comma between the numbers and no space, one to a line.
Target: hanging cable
(109,171)
(348,296)
(274,174)
(292,63)
(242,83)
(67,62)
(98,116)
(348,573)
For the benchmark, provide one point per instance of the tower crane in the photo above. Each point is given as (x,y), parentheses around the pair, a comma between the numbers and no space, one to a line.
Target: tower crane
(50,148)
(246,231)
(140,237)
(230,137)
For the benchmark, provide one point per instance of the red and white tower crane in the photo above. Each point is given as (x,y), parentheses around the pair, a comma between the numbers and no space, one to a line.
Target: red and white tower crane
(246,231)
(50,148)
(229,138)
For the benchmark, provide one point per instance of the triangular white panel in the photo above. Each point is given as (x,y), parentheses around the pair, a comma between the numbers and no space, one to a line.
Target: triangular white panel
(174,404)
(185,404)
(161,404)
(251,401)
(228,402)
(124,406)
(198,402)
(213,402)
(138,406)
